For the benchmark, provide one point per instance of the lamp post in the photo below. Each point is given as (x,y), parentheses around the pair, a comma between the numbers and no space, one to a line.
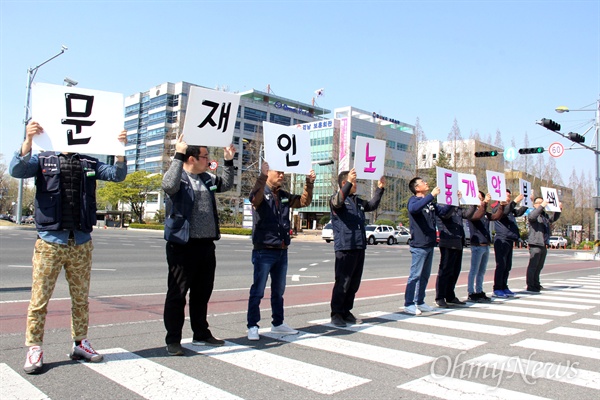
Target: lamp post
(31,72)
(562,109)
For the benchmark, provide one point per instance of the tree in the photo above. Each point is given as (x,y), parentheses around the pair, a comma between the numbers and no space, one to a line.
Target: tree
(456,149)
(133,191)
(442,161)
(418,138)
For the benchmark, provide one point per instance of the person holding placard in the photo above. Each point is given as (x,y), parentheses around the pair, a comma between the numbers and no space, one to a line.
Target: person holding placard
(271,238)
(452,240)
(479,226)
(540,228)
(507,233)
(421,215)
(191,228)
(350,241)
(65,213)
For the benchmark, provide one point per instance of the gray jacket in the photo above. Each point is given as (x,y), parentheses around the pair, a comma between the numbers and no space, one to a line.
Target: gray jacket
(539,226)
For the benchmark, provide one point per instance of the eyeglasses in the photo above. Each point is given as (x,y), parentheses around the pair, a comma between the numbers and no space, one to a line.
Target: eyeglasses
(199,157)
(420,183)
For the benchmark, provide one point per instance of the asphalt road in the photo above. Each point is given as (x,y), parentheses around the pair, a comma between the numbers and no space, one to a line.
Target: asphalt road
(390,356)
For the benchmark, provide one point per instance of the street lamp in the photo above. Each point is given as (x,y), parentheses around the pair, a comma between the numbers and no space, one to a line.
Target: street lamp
(31,72)
(563,109)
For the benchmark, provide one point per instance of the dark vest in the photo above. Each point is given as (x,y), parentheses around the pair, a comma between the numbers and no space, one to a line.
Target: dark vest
(179,208)
(53,188)
(349,225)
(271,221)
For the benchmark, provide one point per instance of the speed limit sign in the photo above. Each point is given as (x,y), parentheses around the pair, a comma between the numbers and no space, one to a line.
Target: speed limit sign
(556,149)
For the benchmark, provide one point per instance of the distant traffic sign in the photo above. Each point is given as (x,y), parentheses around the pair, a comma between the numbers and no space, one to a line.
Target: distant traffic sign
(510,154)
(556,149)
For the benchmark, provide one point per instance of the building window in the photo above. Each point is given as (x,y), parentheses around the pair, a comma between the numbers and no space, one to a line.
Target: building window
(280,119)
(424,157)
(250,128)
(255,115)
(434,156)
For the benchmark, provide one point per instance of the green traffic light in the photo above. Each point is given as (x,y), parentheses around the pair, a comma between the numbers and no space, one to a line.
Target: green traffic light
(539,149)
(493,153)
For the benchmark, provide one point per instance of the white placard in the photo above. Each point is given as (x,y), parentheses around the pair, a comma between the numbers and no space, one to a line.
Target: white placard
(287,148)
(369,158)
(447,181)
(467,184)
(210,117)
(525,190)
(77,120)
(551,196)
(496,185)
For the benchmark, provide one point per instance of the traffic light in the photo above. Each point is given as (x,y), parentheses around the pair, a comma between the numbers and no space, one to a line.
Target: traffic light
(492,153)
(549,124)
(532,150)
(576,137)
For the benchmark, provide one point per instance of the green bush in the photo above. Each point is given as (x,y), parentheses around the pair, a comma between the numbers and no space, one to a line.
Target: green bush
(324,219)
(384,222)
(237,231)
(158,227)
(588,243)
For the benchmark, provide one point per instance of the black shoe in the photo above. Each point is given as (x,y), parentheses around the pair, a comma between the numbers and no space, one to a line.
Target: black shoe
(532,290)
(441,303)
(352,320)
(484,297)
(475,298)
(541,287)
(209,341)
(174,349)
(337,320)
(456,302)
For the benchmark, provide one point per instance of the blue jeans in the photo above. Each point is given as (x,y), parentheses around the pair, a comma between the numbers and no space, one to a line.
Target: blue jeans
(479,260)
(420,270)
(267,262)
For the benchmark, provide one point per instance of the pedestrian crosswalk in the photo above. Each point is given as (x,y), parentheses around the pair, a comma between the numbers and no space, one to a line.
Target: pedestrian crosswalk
(467,353)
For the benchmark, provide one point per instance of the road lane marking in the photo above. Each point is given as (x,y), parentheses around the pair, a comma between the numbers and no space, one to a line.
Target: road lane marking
(575,332)
(152,380)
(312,377)
(559,347)
(15,387)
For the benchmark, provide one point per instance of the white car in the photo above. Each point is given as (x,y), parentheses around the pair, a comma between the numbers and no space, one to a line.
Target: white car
(327,232)
(380,234)
(402,236)
(557,242)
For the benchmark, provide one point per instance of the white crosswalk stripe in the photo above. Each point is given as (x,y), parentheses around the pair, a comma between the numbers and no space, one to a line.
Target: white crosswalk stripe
(14,387)
(588,321)
(452,388)
(151,380)
(540,301)
(523,310)
(565,373)
(582,333)
(568,292)
(559,347)
(309,376)
(409,335)
(495,316)
(450,324)
(383,355)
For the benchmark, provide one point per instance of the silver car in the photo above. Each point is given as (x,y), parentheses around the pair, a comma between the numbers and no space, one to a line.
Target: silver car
(327,232)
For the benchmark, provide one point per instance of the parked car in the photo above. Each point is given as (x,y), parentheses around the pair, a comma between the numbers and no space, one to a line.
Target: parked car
(327,232)
(5,217)
(28,220)
(558,242)
(380,234)
(402,236)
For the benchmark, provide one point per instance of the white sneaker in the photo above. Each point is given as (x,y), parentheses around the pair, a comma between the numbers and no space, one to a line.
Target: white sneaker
(283,328)
(253,333)
(425,308)
(412,309)
(85,352)
(34,360)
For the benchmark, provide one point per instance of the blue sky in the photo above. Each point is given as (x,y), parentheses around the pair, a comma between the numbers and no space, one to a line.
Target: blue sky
(492,65)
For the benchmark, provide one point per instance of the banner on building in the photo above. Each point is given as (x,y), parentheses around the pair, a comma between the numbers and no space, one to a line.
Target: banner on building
(369,158)
(467,184)
(447,181)
(287,148)
(77,120)
(496,185)
(210,117)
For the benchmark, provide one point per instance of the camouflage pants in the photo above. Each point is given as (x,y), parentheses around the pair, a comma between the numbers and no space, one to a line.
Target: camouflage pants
(48,259)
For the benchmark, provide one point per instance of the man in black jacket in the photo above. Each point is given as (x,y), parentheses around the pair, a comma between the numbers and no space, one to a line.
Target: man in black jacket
(452,238)
(507,233)
(350,241)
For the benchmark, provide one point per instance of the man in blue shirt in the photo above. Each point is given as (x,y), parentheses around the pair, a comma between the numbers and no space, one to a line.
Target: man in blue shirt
(421,215)
(65,213)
